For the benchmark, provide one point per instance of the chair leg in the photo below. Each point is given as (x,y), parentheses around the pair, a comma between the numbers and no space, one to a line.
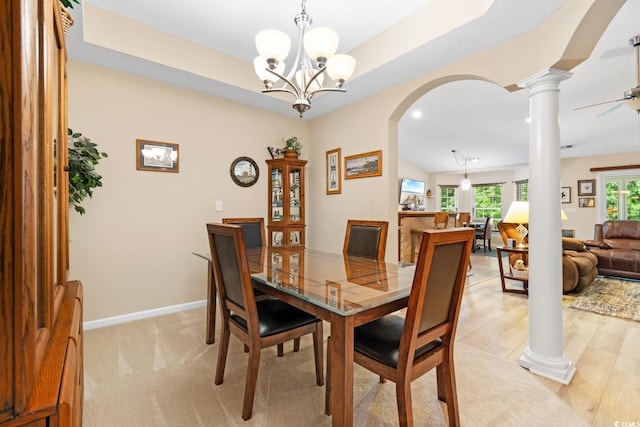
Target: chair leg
(403,399)
(382,379)
(211,305)
(447,391)
(246,348)
(327,386)
(250,385)
(280,349)
(296,344)
(222,354)
(317,351)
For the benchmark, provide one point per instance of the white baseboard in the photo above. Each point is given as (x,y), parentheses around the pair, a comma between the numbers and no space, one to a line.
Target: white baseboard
(101,323)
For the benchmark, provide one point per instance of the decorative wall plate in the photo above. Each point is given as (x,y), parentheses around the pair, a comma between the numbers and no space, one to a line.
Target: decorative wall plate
(244,171)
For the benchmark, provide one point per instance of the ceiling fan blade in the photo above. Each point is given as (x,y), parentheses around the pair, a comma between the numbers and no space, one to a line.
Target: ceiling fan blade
(610,110)
(599,103)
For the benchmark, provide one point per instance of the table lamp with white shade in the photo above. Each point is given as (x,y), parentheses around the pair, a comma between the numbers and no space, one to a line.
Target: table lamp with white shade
(518,213)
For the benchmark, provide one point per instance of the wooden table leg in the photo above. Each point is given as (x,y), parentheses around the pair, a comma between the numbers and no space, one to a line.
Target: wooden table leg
(341,371)
(504,288)
(211,304)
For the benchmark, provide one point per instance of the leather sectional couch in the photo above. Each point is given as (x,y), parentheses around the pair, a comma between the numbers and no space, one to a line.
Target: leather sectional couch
(617,246)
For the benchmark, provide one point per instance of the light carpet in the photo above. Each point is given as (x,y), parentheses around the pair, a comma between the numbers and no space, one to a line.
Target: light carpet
(612,297)
(160,372)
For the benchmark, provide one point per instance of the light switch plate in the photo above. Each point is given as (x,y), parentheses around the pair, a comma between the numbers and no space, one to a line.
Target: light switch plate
(218,205)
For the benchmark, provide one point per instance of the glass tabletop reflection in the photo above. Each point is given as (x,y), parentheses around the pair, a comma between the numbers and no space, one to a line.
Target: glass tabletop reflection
(343,284)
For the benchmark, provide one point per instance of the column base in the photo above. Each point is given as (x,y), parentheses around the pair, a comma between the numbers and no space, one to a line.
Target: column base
(556,369)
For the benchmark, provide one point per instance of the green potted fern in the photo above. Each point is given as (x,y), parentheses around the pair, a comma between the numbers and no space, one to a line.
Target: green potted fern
(83,177)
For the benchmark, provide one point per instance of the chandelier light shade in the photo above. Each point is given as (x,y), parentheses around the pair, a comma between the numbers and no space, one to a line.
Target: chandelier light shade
(315,56)
(273,44)
(465,183)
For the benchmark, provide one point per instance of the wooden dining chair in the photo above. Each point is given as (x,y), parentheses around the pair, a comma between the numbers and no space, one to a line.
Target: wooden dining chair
(365,238)
(255,237)
(484,234)
(254,234)
(402,349)
(441,220)
(258,324)
(463,219)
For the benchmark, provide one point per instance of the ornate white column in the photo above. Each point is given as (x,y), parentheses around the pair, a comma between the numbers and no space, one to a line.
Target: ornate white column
(544,355)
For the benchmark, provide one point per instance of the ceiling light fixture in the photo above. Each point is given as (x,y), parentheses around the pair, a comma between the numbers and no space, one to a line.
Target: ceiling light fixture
(315,56)
(465,184)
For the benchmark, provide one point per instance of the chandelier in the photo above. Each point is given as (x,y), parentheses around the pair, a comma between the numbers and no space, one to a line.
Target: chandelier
(315,57)
(465,183)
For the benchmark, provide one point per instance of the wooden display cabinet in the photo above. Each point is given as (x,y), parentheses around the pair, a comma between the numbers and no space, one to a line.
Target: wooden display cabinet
(286,227)
(41,362)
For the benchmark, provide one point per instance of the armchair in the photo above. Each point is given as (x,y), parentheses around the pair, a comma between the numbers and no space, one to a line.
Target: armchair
(579,266)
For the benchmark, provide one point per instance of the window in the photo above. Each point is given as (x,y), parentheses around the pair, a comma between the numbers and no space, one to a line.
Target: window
(622,197)
(488,202)
(448,199)
(522,190)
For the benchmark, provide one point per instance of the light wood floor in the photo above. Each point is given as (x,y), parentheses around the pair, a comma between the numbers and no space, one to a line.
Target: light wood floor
(605,350)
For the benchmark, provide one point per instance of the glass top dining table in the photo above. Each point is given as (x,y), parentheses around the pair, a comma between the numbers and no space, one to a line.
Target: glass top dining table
(342,290)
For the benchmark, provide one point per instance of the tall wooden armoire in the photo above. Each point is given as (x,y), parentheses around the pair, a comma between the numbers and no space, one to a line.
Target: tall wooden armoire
(40,310)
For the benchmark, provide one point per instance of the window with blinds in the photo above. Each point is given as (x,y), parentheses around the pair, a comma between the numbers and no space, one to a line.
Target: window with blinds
(522,190)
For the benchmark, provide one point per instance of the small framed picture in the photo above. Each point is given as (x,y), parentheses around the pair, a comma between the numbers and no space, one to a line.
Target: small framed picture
(587,187)
(333,171)
(587,202)
(565,194)
(157,156)
(363,165)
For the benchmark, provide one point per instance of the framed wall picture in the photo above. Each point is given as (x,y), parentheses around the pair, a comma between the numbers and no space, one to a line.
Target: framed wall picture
(587,202)
(363,165)
(334,175)
(587,187)
(565,194)
(157,156)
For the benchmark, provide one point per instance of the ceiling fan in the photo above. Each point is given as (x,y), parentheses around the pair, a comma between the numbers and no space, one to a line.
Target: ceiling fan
(631,96)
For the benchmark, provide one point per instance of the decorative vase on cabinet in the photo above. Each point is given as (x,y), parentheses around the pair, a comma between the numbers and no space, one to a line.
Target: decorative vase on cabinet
(286,203)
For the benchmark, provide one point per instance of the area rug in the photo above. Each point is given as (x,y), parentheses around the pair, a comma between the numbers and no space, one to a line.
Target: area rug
(612,297)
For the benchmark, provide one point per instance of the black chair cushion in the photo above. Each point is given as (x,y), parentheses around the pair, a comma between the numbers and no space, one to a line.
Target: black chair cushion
(275,316)
(380,340)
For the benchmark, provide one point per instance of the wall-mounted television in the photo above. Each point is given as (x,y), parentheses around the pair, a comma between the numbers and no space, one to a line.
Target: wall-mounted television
(412,191)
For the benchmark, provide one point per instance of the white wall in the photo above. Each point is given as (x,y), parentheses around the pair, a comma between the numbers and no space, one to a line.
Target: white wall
(132,249)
